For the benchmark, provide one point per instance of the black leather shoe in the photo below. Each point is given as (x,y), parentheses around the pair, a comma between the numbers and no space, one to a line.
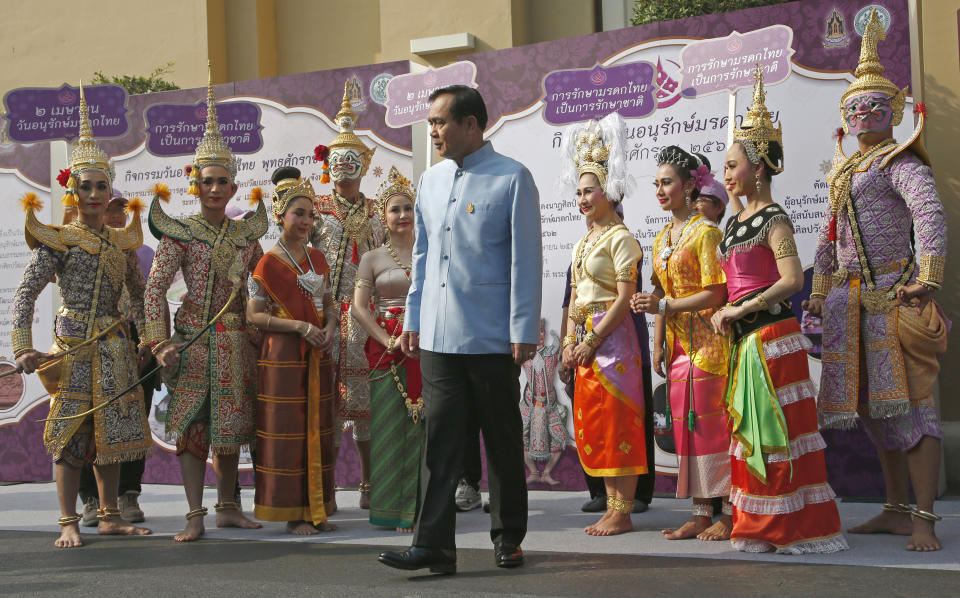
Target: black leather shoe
(595,505)
(639,506)
(507,555)
(438,560)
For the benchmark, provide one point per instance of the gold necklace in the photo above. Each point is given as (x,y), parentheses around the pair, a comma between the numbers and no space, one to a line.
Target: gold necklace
(586,245)
(396,258)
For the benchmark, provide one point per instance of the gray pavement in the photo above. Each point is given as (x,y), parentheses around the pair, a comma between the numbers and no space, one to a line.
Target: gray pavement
(562,561)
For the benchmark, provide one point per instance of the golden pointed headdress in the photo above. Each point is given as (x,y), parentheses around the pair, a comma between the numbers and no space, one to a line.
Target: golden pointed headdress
(396,184)
(346,120)
(869,73)
(757,132)
(87,153)
(212,149)
(286,191)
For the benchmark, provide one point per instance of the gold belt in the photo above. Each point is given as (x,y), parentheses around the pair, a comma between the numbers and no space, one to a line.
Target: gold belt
(579,313)
(101,322)
(841,276)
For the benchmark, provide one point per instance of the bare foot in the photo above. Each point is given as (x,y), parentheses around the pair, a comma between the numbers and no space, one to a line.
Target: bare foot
(548,479)
(235,518)
(923,538)
(69,537)
(533,478)
(301,528)
(590,528)
(718,531)
(405,530)
(887,522)
(689,529)
(616,523)
(192,531)
(118,526)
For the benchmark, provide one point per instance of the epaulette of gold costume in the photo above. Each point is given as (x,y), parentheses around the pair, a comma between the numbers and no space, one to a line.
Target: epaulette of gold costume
(61,238)
(396,184)
(186,229)
(757,132)
(869,78)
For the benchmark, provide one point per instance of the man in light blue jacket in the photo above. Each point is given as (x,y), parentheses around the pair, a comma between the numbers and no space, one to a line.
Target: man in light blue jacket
(472,317)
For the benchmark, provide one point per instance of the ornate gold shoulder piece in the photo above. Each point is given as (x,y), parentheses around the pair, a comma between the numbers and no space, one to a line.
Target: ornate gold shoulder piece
(254,227)
(129,237)
(162,224)
(46,234)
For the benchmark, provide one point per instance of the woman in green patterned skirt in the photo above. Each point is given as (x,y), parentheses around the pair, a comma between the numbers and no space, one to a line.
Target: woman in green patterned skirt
(396,434)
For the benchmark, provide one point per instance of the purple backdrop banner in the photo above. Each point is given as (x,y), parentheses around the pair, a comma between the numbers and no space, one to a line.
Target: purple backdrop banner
(176,129)
(42,114)
(578,94)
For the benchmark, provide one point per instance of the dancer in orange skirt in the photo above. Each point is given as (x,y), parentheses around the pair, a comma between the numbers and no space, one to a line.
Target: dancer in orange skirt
(601,342)
(779,491)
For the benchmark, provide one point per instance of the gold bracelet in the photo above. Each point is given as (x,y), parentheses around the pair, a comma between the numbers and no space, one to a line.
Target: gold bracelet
(592,339)
(391,341)
(267,325)
(568,340)
(762,302)
(159,347)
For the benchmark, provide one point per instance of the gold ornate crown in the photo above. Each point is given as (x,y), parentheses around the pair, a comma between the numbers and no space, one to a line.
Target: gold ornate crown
(396,184)
(591,154)
(212,148)
(758,132)
(286,191)
(869,73)
(346,120)
(87,154)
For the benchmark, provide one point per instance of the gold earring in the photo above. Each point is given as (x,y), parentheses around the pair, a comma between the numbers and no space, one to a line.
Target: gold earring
(759,182)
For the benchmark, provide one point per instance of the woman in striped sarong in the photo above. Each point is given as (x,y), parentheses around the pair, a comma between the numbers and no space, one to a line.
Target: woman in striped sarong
(290,301)
(396,434)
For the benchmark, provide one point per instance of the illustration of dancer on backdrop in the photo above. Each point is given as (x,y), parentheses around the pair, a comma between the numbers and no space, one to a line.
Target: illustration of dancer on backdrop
(544,418)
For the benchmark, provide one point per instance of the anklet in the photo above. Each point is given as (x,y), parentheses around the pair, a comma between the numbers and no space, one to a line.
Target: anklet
(226,506)
(198,512)
(620,505)
(68,520)
(727,508)
(896,508)
(701,510)
(364,487)
(927,515)
(107,512)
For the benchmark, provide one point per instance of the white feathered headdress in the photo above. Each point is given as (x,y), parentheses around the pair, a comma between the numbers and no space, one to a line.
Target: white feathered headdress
(597,147)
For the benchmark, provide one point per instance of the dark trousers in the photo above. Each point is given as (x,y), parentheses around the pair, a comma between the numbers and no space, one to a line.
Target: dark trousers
(455,388)
(645,481)
(472,465)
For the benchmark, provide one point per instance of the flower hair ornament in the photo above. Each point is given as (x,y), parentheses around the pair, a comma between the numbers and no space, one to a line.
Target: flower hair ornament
(85,155)
(597,147)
